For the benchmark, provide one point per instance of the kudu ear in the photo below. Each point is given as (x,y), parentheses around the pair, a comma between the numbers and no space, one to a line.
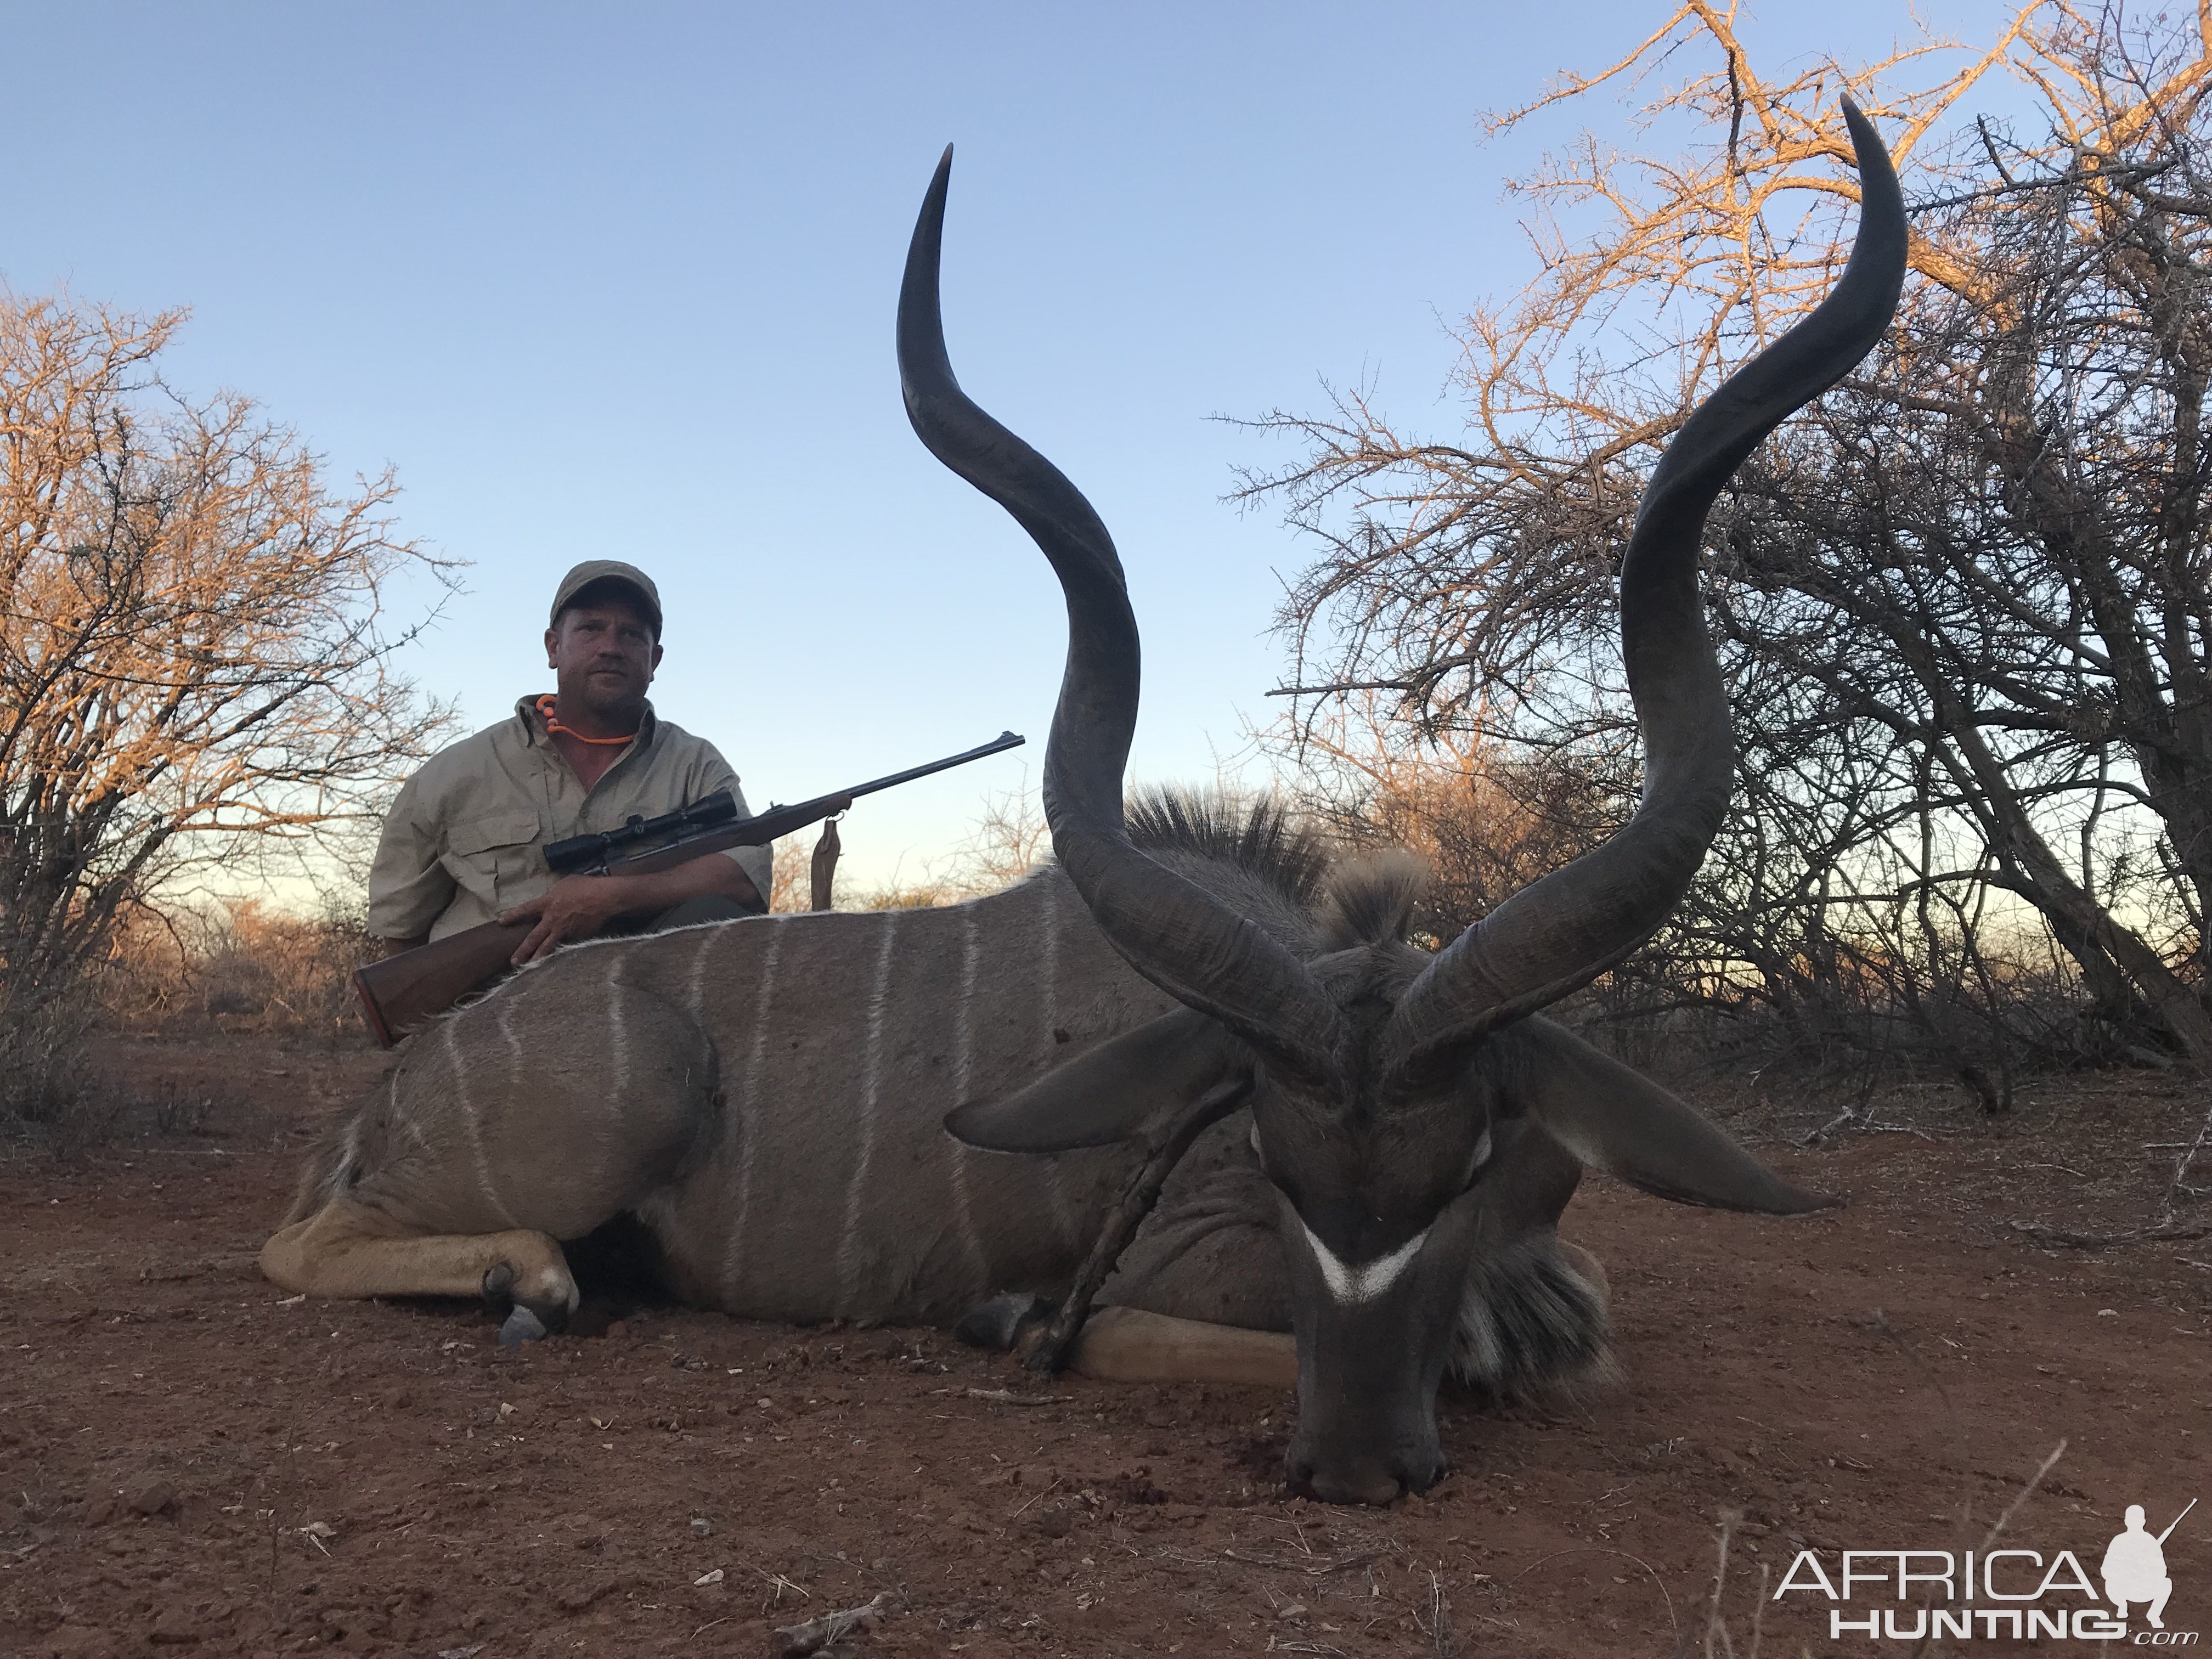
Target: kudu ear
(1108,1093)
(1615,1118)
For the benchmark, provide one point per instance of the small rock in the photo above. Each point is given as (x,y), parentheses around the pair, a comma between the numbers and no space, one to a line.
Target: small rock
(151,1497)
(322,1529)
(1292,1610)
(705,1578)
(702,1526)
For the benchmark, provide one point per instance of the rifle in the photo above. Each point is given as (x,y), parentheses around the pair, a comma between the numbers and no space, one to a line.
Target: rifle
(2177,1520)
(399,992)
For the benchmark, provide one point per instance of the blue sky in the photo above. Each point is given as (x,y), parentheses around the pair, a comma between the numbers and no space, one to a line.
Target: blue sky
(619,281)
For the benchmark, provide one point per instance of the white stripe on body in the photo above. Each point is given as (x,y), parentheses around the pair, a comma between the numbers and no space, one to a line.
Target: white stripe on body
(963,1030)
(694,985)
(469,1118)
(619,1092)
(505,1023)
(348,1156)
(618,1043)
(848,1243)
(412,1122)
(748,1103)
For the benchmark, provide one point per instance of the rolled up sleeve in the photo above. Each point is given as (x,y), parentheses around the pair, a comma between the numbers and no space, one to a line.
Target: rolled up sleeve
(409,888)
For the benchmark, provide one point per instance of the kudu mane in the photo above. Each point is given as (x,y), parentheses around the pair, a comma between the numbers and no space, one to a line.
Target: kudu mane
(1352,901)
(1257,838)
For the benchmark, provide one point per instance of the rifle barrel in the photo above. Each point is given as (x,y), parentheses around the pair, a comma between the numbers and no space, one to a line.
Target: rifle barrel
(999,744)
(2177,1520)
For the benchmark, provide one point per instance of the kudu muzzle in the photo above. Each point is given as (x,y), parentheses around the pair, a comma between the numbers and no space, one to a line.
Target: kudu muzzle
(1372,1353)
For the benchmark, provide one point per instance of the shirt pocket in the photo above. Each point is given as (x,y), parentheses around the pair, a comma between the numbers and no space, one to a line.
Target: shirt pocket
(495,856)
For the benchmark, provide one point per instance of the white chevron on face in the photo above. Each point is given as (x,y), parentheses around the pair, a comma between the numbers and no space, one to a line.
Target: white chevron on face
(1350,1284)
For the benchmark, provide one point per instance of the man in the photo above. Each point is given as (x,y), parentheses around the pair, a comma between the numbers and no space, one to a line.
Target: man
(464,842)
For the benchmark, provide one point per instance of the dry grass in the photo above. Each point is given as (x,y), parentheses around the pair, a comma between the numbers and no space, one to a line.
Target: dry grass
(244,967)
(42,1091)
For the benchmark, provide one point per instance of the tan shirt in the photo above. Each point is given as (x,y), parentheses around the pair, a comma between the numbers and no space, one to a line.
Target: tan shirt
(465,839)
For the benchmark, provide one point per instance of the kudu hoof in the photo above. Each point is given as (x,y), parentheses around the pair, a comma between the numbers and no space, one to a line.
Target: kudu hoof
(527,1318)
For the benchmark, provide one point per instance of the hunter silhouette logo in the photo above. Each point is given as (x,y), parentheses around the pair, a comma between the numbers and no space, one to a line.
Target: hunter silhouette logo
(2017,1594)
(2134,1566)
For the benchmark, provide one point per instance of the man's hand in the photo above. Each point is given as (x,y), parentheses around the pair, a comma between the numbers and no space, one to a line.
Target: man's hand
(578,907)
(575,907)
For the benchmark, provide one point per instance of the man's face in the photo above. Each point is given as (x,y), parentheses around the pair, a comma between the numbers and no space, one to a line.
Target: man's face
(603,655)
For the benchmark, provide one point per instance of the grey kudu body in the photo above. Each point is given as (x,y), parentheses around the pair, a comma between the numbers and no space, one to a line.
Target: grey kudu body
(771,1096)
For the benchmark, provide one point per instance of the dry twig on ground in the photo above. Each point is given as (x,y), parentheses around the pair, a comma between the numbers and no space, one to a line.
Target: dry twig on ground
(798,1641)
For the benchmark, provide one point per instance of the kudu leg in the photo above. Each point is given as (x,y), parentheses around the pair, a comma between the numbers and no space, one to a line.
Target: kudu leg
(1055,1348)
(1132,1345)
(517,1123)
(349,1250)
(1201,1298)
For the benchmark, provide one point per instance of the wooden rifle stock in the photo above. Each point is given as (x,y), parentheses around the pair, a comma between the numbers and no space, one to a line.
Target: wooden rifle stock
(400,993)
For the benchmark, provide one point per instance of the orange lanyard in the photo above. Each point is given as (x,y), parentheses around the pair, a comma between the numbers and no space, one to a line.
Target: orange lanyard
(550,700)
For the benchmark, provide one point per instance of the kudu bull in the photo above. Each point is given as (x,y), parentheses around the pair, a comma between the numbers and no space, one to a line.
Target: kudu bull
(767,1096)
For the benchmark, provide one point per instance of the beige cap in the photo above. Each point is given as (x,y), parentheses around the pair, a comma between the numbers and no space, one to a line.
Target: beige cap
(600,570)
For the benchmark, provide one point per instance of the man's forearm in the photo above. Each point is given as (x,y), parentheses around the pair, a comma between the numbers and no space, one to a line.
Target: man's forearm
(578,907)
(711,875)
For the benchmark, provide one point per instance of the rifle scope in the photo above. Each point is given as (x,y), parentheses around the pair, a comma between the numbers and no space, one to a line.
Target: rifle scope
(579,853)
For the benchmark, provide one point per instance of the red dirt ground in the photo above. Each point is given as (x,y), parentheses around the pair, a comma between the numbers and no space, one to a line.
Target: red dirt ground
(192,1463)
